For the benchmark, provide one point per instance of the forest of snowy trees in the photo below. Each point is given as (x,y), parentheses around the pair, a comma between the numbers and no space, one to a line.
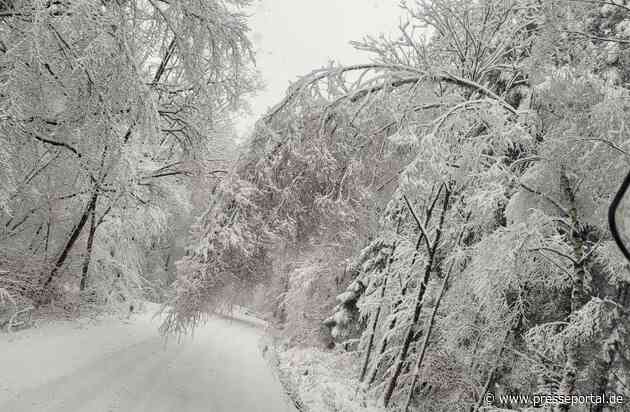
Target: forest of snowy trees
(439,214)
(110,113)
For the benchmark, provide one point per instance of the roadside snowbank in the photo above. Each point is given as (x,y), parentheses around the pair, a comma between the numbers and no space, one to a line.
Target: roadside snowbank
(323,381)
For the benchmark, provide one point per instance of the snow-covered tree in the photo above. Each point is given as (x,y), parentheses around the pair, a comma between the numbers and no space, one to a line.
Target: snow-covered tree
(107,109)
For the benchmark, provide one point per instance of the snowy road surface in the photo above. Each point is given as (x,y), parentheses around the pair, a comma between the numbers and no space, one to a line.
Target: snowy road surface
(111,367)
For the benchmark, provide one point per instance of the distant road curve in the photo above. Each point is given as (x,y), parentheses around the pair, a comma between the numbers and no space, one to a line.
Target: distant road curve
(113,367)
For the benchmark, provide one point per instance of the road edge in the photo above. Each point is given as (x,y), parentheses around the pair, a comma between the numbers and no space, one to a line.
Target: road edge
(270,347)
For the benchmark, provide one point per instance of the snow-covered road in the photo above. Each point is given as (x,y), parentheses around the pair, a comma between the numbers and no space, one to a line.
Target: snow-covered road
(127,367)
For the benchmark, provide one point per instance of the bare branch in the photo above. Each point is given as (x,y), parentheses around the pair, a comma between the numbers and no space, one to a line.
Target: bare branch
(557,252)
(608,143)
(564,211)
(592,37)
(56,143)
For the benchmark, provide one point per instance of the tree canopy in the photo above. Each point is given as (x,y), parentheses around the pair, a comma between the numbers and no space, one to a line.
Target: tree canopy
(109,111)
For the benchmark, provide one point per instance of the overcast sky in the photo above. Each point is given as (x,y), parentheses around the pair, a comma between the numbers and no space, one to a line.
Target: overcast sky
(294,37)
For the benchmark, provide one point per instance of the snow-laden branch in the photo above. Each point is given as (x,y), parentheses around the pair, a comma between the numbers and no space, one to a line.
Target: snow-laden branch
(441,76)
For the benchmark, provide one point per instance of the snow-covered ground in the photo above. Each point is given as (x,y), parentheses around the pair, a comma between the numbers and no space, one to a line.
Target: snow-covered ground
(324,381)
(109,365)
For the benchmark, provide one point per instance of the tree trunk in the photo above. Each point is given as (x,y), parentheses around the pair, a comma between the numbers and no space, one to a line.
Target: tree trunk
(381,349)
(88,251)
(368,352)
(69,245)
(47,237)
(489,382)
(431,323)
(427,335)
(569,377)
(385,340)
(610,349)
(402,355)
(76,232)
(370,344)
